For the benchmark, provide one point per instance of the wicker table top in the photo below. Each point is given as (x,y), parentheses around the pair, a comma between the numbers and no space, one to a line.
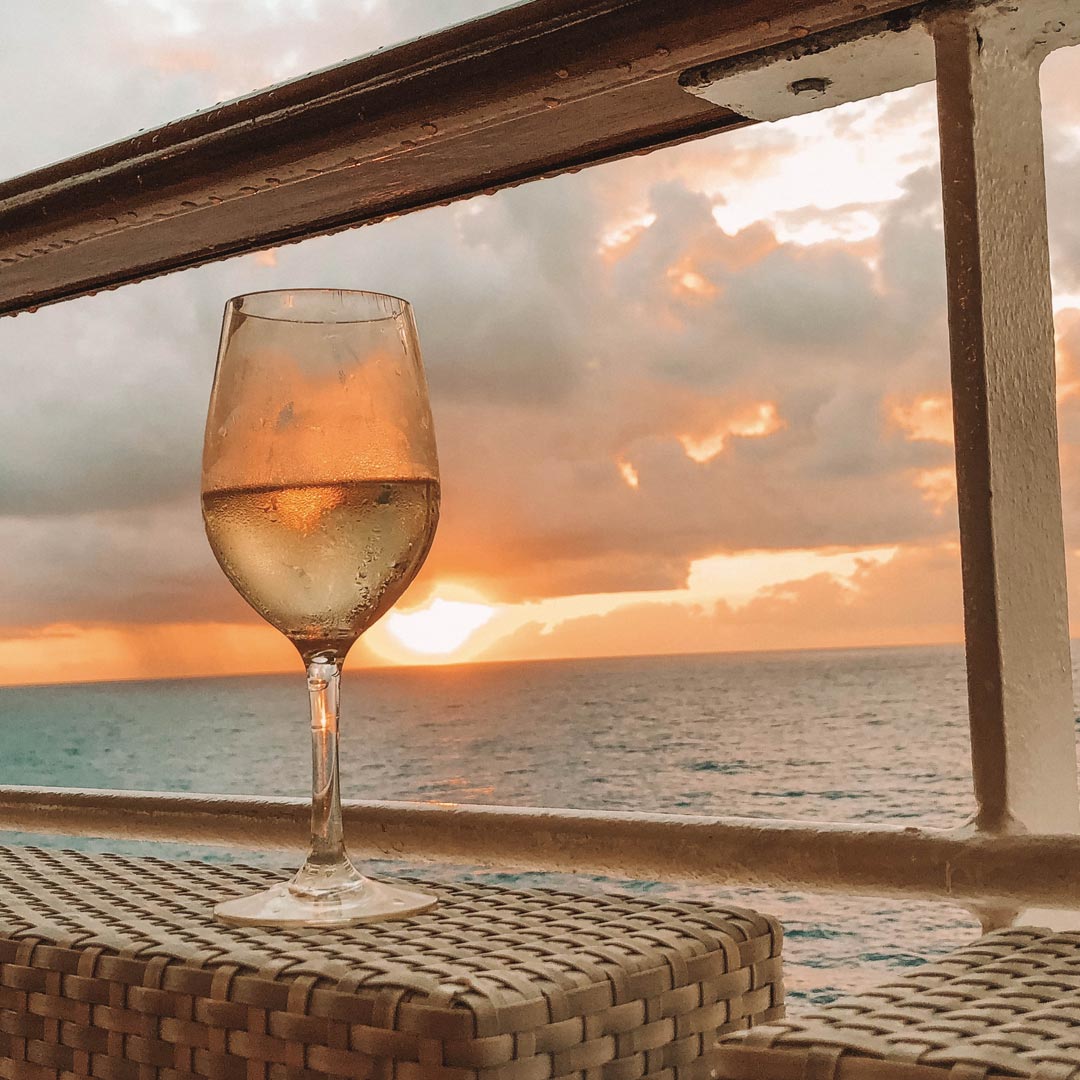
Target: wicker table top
(1006,1006)
(107,958)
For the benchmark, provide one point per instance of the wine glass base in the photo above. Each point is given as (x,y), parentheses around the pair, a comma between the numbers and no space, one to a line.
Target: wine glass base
(367,902)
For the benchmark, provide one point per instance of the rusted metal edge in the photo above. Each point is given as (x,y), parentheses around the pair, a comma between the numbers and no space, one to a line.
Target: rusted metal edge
(530,91)
(893,22)
(851,63)
(966,868)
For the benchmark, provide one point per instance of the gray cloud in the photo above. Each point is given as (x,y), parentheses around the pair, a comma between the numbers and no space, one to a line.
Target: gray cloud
(77,75)
(129,566)
(810,299)
(105,398)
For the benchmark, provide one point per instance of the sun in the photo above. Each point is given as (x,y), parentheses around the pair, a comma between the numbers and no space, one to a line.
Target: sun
(454,624)
(440,628)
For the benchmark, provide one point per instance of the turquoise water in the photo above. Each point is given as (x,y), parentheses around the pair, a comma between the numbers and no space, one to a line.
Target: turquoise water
(861,735)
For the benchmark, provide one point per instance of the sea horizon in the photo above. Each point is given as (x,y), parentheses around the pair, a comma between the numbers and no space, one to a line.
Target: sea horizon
(381,667)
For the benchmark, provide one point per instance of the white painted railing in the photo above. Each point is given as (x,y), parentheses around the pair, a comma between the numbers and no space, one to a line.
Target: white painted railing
(965,867)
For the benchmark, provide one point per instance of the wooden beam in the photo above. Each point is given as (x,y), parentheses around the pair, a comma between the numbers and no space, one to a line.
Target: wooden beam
(530,91)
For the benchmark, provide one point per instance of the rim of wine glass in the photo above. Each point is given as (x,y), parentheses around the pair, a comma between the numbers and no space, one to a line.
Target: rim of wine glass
(405,305)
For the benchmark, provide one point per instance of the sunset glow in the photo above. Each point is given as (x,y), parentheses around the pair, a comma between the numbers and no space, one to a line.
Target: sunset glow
(938,487)
(696,400)
(440,628)
(754,423)
(843,175)
(927,418)
(620,236)
(629,474)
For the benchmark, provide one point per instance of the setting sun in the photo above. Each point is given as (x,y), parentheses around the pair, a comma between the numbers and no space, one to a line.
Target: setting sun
(440,628)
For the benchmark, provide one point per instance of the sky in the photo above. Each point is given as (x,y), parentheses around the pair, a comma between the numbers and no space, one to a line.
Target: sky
(696,401)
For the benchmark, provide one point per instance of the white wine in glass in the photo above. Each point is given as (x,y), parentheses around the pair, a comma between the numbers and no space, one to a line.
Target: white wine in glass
(320,499)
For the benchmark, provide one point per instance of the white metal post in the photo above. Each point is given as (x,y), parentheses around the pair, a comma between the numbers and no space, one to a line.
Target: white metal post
(986,57)
(1002,345)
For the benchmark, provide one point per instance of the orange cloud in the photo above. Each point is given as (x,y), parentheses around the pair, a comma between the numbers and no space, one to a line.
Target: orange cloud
(926,418)
(620,238)
(688,282)
(629,474)
(175,650)
(179,60)
(467,626)
(755,422)
(821,611)
(1067,355)
(938,487)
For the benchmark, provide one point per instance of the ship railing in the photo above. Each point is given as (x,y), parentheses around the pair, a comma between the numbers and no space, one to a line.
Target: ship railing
(966,867)
(553,86)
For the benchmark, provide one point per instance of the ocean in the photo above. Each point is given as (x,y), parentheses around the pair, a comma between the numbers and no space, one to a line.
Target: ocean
(866,735)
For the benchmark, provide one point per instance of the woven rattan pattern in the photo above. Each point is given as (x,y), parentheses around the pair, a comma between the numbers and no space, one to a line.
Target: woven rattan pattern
(1006,1006)
(112,967)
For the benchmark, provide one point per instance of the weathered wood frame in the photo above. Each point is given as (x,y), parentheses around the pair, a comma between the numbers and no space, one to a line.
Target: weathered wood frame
(531,91)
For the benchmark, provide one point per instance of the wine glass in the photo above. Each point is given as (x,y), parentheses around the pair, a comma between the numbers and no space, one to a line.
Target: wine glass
(320,496)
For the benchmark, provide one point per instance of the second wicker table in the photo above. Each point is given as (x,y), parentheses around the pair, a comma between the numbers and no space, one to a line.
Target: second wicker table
(1006,1006)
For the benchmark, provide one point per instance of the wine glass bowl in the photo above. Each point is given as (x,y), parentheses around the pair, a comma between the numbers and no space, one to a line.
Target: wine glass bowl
(320,495)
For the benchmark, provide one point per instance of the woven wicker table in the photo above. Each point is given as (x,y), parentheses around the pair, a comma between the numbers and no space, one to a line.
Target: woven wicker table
(112,967)
(1006,1006)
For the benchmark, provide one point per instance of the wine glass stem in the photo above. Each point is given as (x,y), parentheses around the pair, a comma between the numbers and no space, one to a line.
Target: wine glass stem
(327,868)
(327,840)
